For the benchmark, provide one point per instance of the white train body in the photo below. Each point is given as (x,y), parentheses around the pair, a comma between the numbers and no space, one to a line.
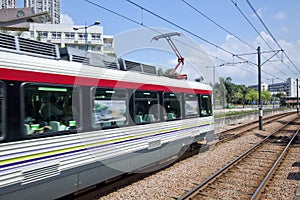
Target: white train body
(93,143)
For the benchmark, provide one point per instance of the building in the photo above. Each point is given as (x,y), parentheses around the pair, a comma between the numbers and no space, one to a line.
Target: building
(5,4)
(52,6)
(64,35)
(19,19)
(289,87)
(264,87)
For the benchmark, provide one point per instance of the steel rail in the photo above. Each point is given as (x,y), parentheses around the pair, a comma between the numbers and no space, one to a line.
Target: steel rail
(260,188)
(194,191)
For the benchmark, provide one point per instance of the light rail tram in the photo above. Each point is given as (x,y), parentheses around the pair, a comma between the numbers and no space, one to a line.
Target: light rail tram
(70,119)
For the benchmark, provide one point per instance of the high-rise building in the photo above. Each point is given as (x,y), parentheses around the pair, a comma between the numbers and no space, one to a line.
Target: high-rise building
(7,4)
(52,6)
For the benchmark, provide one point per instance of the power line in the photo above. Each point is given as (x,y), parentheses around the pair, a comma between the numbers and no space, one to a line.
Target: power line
(271,34)
(226,30)
(214,22)
(172,23)
(195,35)
(250,23)
(188,31)
(155,30)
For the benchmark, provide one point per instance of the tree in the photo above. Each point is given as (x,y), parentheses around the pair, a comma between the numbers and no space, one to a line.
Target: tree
(252,95)
(220,93)
(266,96)
(160,72)
(241,92)
(229,88)
(279,95)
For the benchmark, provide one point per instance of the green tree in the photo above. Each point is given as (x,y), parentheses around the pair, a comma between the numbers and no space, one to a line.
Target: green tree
(220,93)
(242,92)
(252,95)
(229,88)
(266,96)
(160,72)
(279,95)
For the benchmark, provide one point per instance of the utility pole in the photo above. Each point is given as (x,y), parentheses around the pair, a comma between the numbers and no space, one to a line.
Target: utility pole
(259,89)
(259,65)
(273,92)
(85,27)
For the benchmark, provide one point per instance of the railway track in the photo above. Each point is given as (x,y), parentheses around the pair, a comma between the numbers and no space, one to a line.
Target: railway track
(243,129)
(246,176)
(103,189)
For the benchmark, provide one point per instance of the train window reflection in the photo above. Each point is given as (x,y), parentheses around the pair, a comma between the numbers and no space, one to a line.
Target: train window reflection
(50,108)
(146,107)
(191,105)
(109,107)
(206,108)
(172,102)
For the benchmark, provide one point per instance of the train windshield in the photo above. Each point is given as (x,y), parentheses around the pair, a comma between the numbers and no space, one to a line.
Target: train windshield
(49,108)
(109,107)
(206,108)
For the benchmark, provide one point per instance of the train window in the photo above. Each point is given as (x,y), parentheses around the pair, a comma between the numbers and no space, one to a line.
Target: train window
(205,104)
(172,102)
(2,109)
(109,107)
(49,108)
(191,105)
(146,107)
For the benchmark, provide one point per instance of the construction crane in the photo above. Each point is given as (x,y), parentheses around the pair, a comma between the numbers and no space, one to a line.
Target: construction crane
(168,36)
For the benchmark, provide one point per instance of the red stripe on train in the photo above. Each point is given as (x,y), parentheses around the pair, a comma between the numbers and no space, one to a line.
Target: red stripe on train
(30,76)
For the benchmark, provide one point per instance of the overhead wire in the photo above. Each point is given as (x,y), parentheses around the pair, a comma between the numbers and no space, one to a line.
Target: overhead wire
(248,2)
(226,30)
(180,27)
(217,24)
(255,29)
(142,24)
(195,35)
(188,31)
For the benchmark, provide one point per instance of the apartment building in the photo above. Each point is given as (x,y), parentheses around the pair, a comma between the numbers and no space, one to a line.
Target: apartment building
(5,4)
(65,35)
(52,6)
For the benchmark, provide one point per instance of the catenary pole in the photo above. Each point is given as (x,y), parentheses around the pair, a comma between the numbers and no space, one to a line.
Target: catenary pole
(259,89)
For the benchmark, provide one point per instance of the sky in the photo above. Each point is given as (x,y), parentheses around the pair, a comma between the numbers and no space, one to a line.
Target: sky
(219,39)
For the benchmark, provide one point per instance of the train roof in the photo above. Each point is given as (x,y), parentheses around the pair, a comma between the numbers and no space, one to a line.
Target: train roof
(32,56)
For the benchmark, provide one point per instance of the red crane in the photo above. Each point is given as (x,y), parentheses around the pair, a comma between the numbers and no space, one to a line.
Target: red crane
(168,36)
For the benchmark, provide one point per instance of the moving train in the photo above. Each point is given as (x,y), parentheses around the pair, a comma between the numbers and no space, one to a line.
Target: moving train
(70,119)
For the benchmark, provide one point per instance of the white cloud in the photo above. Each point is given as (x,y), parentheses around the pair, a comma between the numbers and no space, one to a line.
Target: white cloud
(260,12)
(173,62)
(229,37)
(66,19)
(280,15)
